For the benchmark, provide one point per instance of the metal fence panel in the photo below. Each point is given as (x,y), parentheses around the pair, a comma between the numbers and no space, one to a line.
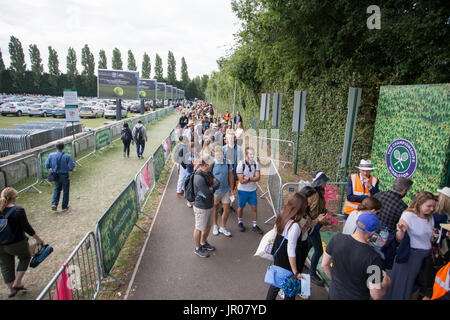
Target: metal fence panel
(158,160)
(113,228)
(80,276)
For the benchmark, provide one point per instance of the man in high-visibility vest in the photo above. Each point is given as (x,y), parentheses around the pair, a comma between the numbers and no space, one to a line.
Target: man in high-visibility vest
(360,186)
(227,116)
(441,287)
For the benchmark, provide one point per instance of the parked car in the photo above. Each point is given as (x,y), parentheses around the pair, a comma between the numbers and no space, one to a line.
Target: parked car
(42,110)
(137,108)
(91,112)
(16,108)
(110,112)
(59,111)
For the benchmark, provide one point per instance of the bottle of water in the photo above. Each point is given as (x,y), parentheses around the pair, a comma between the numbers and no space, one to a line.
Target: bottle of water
(383,237)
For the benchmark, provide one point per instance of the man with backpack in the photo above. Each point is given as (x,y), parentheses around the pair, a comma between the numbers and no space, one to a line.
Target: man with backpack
(202,186)
(248,173)
(140,137)
(126,138)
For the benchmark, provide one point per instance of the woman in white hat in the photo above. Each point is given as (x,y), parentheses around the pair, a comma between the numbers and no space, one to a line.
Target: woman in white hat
(442,209)
(360,186)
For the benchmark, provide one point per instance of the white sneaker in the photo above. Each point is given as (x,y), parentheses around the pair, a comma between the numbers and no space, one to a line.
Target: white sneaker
(281,294)
(225,232)
(216,230)
(303,297)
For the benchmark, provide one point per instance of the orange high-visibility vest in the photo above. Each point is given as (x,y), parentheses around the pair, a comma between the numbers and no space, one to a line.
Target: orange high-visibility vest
(441,282)
(358,190)
(227,117)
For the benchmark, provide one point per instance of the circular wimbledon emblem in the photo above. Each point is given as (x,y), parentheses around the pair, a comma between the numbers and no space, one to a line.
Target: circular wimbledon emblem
(401,158)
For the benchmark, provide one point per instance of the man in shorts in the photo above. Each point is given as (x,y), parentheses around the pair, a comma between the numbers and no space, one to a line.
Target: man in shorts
(248,173)
(204,188)
(224,174)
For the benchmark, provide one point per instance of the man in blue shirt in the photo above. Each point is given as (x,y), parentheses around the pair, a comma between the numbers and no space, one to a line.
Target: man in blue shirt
(61,163)
(223,173)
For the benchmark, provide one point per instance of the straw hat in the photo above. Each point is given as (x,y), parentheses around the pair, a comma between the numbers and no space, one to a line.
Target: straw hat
(445,191)
(365,165)
(446,226)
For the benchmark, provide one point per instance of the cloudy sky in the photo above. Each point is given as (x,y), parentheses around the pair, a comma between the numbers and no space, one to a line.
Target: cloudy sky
(201,31)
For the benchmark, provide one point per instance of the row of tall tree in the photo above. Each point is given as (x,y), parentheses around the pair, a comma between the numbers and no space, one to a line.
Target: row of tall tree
(17,79)
(325,47)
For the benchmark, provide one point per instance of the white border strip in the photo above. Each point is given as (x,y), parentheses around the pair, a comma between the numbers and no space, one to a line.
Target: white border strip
(148,237)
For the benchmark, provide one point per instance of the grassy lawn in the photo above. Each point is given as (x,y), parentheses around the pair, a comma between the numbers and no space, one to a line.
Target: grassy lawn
(93,188)
(7,122)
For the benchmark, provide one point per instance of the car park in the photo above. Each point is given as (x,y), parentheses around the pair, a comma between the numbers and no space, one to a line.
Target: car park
(110,112)
(41,110)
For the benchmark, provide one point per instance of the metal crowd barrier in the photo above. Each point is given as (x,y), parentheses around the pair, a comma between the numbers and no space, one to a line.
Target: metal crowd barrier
(273,190)
(79,277)
(288,145)
(77,140)
(37,172)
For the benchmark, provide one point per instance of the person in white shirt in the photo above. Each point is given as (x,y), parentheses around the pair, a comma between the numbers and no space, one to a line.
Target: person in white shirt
(248,173)
(418,221)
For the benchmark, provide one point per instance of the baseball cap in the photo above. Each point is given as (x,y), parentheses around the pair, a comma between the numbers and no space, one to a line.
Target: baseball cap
(368,222)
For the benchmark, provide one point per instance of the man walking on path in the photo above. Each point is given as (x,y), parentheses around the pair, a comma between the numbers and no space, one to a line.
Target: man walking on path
(140,137)
(393,205)
(60,163)
(360,186)
(204,188)
(248,173)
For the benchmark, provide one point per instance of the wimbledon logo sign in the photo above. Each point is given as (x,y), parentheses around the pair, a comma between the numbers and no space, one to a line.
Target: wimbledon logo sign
(401,158)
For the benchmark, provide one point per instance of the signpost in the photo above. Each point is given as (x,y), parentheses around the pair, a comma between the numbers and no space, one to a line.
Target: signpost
(354,100)
(276,114)
(298,120)
(264,110)
(71,107)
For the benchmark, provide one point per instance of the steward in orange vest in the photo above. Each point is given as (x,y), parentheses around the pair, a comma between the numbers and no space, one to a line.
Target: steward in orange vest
(442,282)
(227,116)
(360,186)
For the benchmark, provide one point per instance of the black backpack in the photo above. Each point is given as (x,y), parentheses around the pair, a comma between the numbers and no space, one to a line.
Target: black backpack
(126,135)
(6,234)
(189,188)
(138,135)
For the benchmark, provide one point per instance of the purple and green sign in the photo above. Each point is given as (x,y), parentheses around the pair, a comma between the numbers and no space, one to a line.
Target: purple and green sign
(401,158)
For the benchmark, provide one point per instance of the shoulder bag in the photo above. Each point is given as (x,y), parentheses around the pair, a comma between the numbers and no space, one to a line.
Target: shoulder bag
(52,175)
(276,275)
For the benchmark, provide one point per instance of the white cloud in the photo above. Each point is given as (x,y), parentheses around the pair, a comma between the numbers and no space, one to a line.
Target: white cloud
(199,30)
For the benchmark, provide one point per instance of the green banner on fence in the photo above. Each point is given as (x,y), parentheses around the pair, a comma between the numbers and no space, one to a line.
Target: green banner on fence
(158,160)
(102,138)
(44,155)
(115,225)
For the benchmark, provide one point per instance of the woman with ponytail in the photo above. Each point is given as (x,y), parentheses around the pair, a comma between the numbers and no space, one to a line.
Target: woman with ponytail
(17,246)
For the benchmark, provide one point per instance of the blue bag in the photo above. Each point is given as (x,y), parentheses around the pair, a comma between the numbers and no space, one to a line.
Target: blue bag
(276,276)
(40,256)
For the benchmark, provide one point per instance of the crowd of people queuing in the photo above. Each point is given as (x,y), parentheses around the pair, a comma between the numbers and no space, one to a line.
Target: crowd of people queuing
(385,242)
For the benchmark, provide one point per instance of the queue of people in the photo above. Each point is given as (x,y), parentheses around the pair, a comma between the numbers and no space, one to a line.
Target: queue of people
(362,262)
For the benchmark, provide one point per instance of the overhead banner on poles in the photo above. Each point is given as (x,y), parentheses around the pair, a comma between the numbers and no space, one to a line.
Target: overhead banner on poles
(117,84)
(147,88)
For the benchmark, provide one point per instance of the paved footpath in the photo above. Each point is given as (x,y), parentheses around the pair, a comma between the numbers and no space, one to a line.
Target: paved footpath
(169,269)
